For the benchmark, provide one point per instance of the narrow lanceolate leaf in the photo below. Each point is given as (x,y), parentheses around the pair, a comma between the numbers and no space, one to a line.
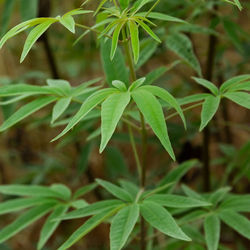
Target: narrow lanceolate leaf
(115,39)
(134,40)
(161,16)
(89,225)
(182,46)
(161,219)
(115,190)
(68,22)
(84,190)
(234,81)
(152,110)
(167,97)
(26,110)
(212,232)
(207,84)
(170,200)
(112,110)
(60,107)
(90,103)
(24,220)
(13,205)
(236,221)
(33,37)
(148,30)
(209,108)
(122,226)
(241,98)
(238,203)
(50,225)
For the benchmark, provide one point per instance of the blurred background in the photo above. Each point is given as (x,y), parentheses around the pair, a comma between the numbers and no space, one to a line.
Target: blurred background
(28,157)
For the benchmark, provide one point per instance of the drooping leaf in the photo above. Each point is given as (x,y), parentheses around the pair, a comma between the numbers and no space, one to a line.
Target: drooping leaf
(241,98)
(89,225)
(122,226)
(33,37)
(209,108)
(236,221)
(161,219)
(182,46)
(26,110)
(24,220)
(90,103)
(112,110)
(50,225)
(152,110)
(212,232)
(115,190)
(167,97)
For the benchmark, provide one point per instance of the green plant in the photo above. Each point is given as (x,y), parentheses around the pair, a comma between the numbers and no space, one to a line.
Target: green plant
(137,103)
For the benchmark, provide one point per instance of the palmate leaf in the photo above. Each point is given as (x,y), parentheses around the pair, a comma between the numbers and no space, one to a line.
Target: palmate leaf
(236,221)
(112,110)
(122,226)
(50,225)
(92,209)
(167,97)
(170,200)
(209,108)
(161,219)
(152,111)
(212,232)
(182,46)
(90,103)
(135,42)
(26,110)
(89,225)
(115,190)
(25,220)
(241,98)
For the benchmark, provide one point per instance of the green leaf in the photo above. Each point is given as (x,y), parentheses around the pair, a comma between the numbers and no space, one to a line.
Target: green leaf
(90,103)
(60,87)
(28,9)
(170,200)
(13,205)
(135,42)
(212,232)
(209,108)
(139,4)
(193,98)
(24,220)
(161,219)
(26,110)
(33,37)
(124,4)
(63,190)
(238,203)
(167,97)
(119,85)
(241,98)
(68,22)
(122,226)
(115,69)
(84,190)
(218,195)
(152,110)
(136,84)
(115,190)
(59,108)
(182,46)
(29,190)
(95,208)
(130,187)
(50,225)
(89,225)
(115,39)
(155,74)
(161,16)
(233,81)
(236,221)
(148,30)
(112,110)
(207,84)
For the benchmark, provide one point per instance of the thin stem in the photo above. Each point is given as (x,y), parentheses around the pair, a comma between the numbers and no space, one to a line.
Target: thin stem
(155,4)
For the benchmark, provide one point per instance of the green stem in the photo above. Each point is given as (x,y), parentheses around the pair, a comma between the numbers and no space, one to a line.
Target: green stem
(155,4)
